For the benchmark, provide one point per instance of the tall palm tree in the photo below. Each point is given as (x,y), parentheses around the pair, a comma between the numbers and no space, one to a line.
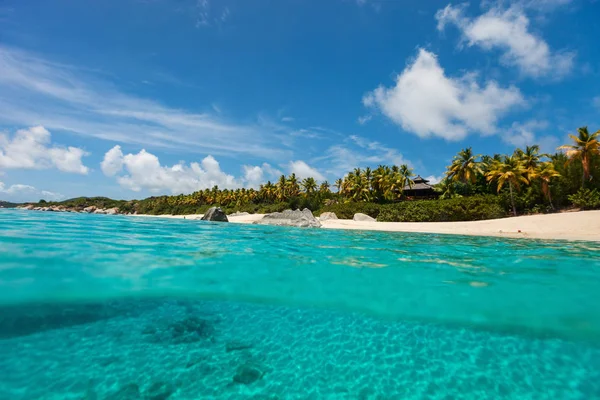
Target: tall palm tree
(293,188)
(407,174)
(546,172)
(338,184)
(324,187)
(530,158)
(586,145)
(510,171)
(464,167)
(281,188)
(309,185)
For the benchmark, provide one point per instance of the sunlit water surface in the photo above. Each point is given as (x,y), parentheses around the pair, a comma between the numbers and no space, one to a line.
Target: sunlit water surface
(112,307)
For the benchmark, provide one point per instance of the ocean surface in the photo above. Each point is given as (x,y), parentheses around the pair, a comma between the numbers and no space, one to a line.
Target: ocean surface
(114,307)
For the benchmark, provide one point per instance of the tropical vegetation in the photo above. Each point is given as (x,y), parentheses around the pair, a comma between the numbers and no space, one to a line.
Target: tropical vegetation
(473,187)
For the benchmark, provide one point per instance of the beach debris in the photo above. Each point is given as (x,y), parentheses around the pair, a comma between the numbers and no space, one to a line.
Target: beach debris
(297,218)
(215,214)
(327,216)
(247,373)
(363,217)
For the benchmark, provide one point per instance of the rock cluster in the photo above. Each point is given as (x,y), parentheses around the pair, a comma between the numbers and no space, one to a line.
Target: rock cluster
(89,210)
(327,216)
(297,218)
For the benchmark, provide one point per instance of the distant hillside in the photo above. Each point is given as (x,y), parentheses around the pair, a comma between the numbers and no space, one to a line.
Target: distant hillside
(6,204)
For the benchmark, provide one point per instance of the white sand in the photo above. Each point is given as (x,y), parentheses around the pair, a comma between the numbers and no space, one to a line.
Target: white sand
(582,225)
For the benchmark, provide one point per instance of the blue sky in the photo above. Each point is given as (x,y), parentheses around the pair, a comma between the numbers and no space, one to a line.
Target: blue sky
(132,98)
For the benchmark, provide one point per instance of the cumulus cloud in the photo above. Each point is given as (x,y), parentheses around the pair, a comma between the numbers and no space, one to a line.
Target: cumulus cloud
(144,171)
(22,193)
(507,30)
(256,175)
(428,103)
(112,162)
(303,170)
(32,149)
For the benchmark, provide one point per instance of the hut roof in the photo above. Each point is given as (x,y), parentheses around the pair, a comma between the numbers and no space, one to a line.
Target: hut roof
(419,184)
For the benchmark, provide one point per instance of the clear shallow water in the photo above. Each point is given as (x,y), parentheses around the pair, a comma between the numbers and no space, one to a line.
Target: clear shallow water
(105,307)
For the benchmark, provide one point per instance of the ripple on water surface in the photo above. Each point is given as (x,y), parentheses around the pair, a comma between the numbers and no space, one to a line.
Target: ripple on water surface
(104,307)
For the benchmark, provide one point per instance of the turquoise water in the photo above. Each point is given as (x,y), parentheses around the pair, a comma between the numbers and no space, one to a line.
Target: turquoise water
(112,307)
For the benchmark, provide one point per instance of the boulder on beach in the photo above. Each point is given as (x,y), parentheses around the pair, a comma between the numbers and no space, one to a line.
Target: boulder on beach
(112,211)
(327,216)
(239,214)
(99,211)
(215,214)
(89,209)
(363,217)
(297,218)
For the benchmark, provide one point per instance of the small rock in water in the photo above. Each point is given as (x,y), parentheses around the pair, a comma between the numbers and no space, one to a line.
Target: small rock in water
(215,214)
(247,374)
(159,391)
(234,346)
(128,392)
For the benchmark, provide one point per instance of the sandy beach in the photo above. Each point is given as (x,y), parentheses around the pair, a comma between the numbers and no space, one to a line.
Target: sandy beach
(581,225)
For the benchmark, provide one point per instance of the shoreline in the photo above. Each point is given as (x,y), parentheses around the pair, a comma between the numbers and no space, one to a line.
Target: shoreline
(577,225)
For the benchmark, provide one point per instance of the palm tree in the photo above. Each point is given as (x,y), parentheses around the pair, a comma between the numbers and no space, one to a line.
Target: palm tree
(545,172)
(510,171)
(586,145)
(407,174)
(464,167)
(530,158)
(309,185)
(293,188)
(338,184)
(324,187)
(281,186)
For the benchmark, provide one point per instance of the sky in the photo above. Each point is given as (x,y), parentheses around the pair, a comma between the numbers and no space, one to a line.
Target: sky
(133,98)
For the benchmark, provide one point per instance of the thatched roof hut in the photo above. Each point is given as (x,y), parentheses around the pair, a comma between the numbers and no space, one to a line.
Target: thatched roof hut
(420,188)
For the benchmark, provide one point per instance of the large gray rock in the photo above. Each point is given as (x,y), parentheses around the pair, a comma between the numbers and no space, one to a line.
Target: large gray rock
(112,211)
(89,209)
(215,214)
(297,218)
(363,217)
(327,215)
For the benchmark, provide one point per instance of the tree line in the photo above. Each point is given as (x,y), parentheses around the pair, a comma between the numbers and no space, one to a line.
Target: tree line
(526,181)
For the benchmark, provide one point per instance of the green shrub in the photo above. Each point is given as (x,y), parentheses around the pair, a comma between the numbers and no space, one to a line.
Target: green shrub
(457,209)
(586,199)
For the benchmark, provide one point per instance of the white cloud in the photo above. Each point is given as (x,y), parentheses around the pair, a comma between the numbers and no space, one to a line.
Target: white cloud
(508,30)
(364,119)
(35,91)
(143,171)
(23,193)
(524,134)
(426,102)
(434,179)
(303,170)
(112,162)
(32,149)
(357,151)
(256,175)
